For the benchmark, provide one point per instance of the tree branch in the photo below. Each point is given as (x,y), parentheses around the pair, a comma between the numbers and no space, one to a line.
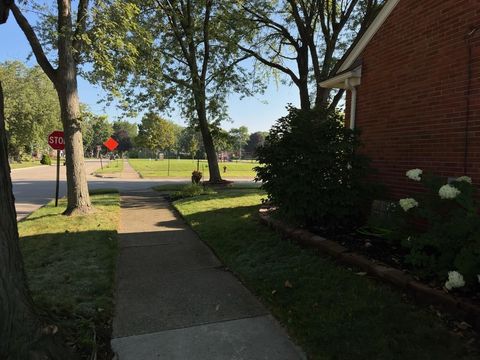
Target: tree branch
(175,28)
(4,10)
(206,39)
(272,64)
(273,25)
(338,96)
(225,69)
(80,27)
(177,81)
(34,43)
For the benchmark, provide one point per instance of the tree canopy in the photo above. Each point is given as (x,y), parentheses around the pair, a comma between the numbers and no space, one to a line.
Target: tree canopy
(156,133)
(177,52)
(304,40)
(32,110)
(96,129)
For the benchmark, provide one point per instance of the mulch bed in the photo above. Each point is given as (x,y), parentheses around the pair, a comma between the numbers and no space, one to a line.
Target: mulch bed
(378,259)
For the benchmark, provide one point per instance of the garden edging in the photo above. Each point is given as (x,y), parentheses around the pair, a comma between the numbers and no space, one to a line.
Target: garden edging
(462,308)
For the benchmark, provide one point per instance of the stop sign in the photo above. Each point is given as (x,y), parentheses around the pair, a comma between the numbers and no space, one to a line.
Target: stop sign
(56,140)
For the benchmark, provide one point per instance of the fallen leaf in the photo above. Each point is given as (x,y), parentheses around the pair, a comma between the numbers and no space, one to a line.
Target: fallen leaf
(288,284)
(361,273)
(217,308)
(274,292)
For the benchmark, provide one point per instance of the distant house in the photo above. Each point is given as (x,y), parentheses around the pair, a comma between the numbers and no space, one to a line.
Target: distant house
(413,82)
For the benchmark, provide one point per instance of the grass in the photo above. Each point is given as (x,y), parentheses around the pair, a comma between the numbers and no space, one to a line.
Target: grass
(183,168)
(330,311)
(170,188)
(25,164)
(70,265)
(113,167)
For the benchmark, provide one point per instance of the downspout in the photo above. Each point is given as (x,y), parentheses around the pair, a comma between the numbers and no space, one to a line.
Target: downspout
(469,39)
(353,102)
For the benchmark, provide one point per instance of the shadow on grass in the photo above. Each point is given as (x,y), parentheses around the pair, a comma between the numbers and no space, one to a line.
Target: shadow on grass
(71,277)
(332,312)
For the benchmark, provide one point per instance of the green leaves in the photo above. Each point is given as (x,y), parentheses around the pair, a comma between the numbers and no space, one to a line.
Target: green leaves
(156,133)
(313,172)
(443,235)
(156,54)
(31,107)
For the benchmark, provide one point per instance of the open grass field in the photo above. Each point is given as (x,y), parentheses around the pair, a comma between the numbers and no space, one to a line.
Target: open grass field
(70,264)
(113,167)
(25,164)
(331,311)
(183,168)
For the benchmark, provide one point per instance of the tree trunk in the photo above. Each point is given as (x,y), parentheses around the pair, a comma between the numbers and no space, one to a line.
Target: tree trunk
(302,63)
(65,80)
(23,334)
(78,199)
(213,168)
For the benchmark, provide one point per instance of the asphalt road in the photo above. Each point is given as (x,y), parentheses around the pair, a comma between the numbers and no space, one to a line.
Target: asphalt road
(34,187)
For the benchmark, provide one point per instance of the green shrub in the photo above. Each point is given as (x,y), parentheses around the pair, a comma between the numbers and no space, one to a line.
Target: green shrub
(46,160)
(25,157)
(311,169)
(441,229)
(192,190)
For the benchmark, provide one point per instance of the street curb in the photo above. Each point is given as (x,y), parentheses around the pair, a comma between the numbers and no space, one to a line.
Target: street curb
(105,176)
(461,308)
(30,167)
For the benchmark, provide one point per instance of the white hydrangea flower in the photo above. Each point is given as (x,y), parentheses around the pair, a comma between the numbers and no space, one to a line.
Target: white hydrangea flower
(414,174)
(408,203)
(448,192)
(455,280)
(467,179)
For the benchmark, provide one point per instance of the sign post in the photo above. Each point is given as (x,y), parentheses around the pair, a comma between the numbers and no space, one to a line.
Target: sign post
(168,160)
(99,148)
(58,178)
(57,142)
(111,144)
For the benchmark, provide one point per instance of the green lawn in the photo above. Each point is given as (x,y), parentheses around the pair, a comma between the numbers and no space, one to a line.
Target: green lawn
(113,167)
(183,168)
(25,164)
(330,311)
(70,265)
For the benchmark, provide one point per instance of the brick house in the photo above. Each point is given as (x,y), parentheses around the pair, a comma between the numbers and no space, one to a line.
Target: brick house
(413,89)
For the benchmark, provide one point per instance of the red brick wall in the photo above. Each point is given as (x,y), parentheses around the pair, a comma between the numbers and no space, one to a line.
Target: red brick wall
(412,103)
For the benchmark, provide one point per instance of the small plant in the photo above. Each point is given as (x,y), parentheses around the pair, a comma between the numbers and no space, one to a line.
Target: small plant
(441,230)
(191,191)
(196,177)
(46,160)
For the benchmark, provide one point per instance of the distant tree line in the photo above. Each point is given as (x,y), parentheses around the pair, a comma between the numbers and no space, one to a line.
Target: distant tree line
(32,110)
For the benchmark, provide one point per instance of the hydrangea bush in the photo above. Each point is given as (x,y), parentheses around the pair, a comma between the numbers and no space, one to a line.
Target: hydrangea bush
(441,230)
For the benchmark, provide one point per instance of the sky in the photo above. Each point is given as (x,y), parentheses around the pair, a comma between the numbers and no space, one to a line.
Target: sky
(258,113)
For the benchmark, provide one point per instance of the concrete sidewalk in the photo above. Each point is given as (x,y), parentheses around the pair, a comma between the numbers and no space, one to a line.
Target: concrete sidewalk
(128,171)
(175,300)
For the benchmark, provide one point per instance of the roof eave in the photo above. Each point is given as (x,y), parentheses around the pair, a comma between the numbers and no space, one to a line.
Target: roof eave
(344,80)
